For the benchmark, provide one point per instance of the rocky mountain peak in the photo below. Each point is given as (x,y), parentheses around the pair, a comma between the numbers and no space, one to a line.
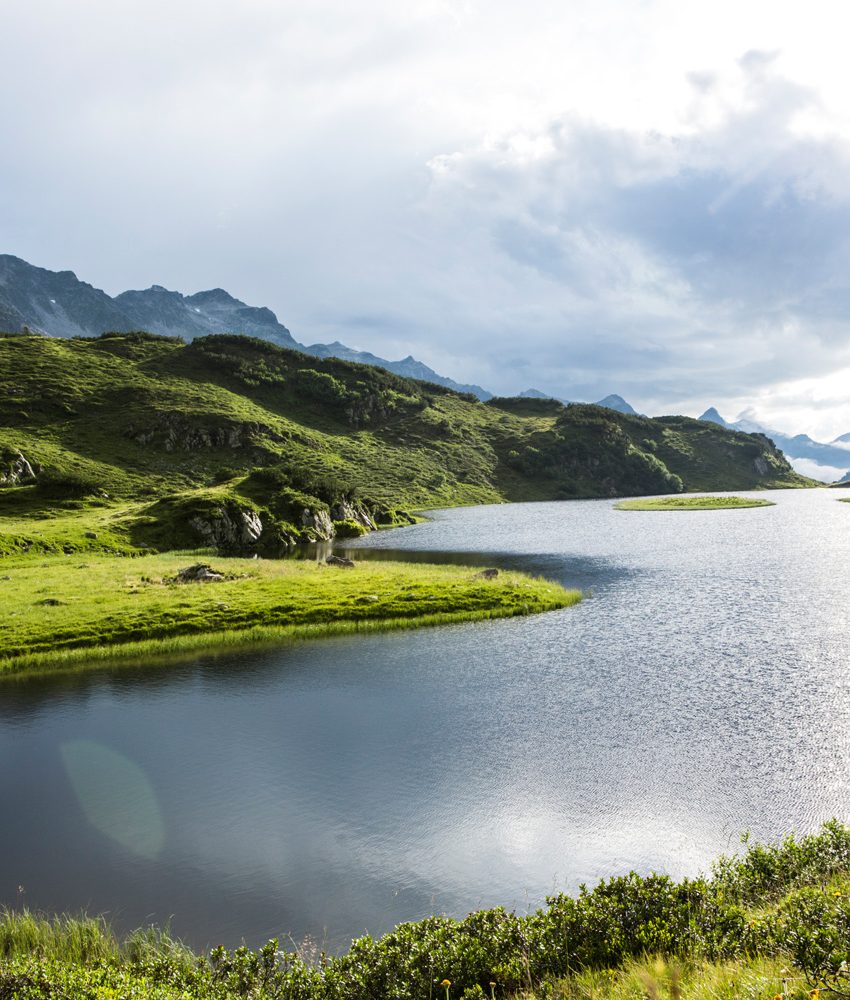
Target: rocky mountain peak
(213,296)
(713,416)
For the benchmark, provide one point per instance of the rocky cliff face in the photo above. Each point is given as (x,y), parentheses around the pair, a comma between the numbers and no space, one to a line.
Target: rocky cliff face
(348,511)
(236,526)
(317,524)
(231,529)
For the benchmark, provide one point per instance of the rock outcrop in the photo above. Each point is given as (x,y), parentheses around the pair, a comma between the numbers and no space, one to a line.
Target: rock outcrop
(16,469)
(317,523)
(345,510)
(229,528)
(172,431)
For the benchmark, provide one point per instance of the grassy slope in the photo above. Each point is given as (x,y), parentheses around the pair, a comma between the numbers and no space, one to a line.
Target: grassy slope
(692,503)
(135,437)
(772,922)
(75,406)
(129,606)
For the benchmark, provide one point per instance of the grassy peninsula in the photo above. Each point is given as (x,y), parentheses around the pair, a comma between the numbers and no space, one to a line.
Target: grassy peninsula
(772,923)
(61,612)
(692,503)
(133,445)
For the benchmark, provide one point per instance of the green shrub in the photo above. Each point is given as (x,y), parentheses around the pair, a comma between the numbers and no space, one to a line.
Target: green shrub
(608,927)
(349,529)
(57,485)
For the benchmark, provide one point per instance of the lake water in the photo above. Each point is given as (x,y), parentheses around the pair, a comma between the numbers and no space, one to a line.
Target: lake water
(334,787)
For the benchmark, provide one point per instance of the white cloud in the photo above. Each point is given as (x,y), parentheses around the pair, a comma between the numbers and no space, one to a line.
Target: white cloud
(646,198)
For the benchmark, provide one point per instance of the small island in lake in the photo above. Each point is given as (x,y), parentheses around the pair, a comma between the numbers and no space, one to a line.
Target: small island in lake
(692,503)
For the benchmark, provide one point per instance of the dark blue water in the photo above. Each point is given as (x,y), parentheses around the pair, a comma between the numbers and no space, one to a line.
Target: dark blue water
(338,786)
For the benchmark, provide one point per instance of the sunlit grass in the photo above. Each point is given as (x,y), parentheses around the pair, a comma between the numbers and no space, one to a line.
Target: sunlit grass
(66,611)
(680,979)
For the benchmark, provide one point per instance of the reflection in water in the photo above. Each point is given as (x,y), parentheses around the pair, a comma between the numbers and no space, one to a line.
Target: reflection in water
(341,786)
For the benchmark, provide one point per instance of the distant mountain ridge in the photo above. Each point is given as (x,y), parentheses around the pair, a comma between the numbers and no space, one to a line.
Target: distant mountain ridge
(613,401)
(408,367)
(59,304)
(835,455)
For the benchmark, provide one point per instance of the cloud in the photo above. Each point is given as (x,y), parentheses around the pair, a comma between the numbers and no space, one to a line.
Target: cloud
(638,198)
(711,261)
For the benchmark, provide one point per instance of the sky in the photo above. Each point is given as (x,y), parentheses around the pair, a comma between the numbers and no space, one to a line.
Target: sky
(648,197)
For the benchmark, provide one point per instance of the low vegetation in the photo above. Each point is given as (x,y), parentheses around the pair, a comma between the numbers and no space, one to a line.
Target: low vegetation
(171,443)
(692,503)
(61,611)
(774,923)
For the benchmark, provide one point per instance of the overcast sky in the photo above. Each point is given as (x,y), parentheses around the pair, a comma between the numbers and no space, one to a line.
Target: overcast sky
(649,197)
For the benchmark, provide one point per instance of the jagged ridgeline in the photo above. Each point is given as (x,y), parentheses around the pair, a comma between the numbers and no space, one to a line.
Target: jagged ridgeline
(233,442)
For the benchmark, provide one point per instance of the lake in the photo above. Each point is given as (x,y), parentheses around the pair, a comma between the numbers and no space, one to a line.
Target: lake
(334,787)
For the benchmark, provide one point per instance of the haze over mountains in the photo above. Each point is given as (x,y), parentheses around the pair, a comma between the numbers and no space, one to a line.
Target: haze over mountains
(828,462)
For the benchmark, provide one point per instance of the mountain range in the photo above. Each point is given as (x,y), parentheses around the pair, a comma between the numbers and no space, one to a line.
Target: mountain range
(814,458)
(59,304)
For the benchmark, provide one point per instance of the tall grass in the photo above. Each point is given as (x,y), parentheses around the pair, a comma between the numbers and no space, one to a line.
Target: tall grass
(78,940)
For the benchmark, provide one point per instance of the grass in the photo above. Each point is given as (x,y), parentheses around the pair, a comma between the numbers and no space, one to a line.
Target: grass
(64,611)
(692,503)
(658,978)
(153,415)
(771,923)
(141,444)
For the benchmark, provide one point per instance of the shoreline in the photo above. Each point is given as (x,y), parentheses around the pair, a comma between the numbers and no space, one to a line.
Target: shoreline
(109,610)
(251,639)
(745,928)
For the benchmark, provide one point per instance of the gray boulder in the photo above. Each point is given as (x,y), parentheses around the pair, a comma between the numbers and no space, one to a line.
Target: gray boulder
(340,561)
(198,573)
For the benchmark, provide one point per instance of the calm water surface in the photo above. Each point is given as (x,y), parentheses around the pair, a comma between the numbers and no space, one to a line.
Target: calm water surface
(334,787)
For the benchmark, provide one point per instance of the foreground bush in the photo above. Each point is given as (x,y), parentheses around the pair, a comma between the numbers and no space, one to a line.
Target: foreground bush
(784,903)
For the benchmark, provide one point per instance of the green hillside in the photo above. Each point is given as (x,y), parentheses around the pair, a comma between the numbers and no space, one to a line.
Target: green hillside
(233,442)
